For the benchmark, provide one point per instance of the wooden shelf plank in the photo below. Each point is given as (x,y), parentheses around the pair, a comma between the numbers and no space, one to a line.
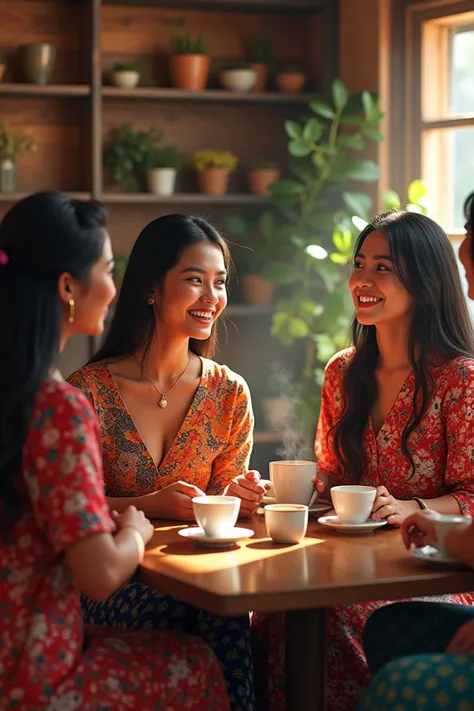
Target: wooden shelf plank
(14,197)
(58,90)
(273,6)
(248,310)
(211,95)
(182,199)
(267,437)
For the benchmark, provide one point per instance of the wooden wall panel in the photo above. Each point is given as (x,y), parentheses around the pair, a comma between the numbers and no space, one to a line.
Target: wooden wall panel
(60,24)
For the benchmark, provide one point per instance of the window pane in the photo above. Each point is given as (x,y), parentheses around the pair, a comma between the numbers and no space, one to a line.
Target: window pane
(448,168)
(462,71)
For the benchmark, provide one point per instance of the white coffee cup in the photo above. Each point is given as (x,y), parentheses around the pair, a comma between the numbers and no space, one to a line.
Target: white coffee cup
(286,523)
(444,524)
(292,480)
(353,504)
(216,514)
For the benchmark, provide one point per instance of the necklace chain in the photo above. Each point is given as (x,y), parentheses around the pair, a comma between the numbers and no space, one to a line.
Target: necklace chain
(163,402)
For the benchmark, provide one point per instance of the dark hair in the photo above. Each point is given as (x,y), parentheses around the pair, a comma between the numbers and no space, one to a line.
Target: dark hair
(158,249)
(41,237)
(469,215)
(424,261)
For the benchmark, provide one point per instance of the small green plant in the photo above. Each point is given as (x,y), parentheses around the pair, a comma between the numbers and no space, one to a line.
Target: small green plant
(215,159)
(260,50)
(14,145)
(416,202)
(127,153)
(265,165)
(186,44)
(134,66)
(166,157)
(261,252)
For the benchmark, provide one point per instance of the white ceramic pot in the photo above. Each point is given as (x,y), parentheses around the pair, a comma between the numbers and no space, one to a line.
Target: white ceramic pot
(161,181)
(241,80)
(125,79)
(277,413)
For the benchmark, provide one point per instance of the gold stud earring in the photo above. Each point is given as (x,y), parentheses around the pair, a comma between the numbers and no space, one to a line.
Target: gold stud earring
(72,310)
(151,300)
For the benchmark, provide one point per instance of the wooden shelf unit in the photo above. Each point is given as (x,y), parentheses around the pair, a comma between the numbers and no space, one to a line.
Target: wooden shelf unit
(70,118)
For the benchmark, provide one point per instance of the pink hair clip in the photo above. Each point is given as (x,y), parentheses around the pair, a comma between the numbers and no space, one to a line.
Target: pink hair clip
(4,258)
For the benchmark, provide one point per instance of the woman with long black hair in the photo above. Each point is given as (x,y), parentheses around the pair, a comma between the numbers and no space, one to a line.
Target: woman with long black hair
(57,535)
(395,411)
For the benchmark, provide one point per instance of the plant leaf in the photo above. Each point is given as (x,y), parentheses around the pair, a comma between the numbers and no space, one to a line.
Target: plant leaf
(338,258)
(340,94)
(358,204)
(313,130)
(417,190)
(281,273)
(321,108)
(374,134)
(284,188)
(355,141)
(366,170)
(391,200)
(298,328)
(267,223)
(299,149)
(368,104)
(236,224)
(293,129)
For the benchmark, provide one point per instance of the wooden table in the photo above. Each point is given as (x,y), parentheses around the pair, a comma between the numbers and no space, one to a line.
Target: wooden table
(302,580)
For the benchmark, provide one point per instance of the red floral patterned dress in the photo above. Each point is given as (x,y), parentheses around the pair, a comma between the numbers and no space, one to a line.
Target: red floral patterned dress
(46,660)
(443,453)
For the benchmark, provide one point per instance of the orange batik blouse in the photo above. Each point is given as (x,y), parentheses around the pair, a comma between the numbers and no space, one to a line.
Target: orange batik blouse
(212,446)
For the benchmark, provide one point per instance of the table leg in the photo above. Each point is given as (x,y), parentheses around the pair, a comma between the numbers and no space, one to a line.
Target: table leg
(306,660)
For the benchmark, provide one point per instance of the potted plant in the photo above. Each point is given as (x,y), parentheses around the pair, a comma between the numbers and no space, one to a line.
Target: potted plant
(240,77)
(2,66)
(261,55)
(291,79)
(162,168)
(263,174)
(189,62)
(12,147)
(127,152)
(214,169)
(278,401)
(126,75)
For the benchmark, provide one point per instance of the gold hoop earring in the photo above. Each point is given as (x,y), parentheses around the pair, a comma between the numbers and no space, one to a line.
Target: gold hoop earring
(72,310)
(151,300)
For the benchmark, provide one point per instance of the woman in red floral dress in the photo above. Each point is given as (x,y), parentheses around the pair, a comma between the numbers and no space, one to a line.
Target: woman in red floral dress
(57,536)
(396,413)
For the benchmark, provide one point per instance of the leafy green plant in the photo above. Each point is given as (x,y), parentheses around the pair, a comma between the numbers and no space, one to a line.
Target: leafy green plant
(186,44)
(416,202)
(134,66)
(14,145)
(260,50)
(166,157)
(259,246)
(127,153)
(215,159)
(312,215)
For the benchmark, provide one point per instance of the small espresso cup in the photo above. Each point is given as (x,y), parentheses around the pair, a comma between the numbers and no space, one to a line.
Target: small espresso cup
(446,523)
(292,480)
(286,523)
(216,514)
(353,504)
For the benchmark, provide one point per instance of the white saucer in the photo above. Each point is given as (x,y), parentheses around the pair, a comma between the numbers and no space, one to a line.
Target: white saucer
(432,555)
(366,527)
(314,509)
(195,533)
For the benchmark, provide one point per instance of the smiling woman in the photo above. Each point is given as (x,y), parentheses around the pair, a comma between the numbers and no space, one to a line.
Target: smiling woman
(174,423)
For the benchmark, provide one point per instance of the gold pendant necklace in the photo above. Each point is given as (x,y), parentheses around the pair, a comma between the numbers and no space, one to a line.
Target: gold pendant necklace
(163,402)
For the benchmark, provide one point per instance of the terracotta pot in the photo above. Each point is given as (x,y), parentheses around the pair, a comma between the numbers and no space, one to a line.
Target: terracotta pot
(291,82)
(261,71)
(189,71)
(2,70)
(256,290)
(259,180)
(214,181)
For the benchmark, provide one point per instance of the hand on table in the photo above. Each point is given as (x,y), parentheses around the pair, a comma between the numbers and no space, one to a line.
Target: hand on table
(133,518)
(418,529)
(388,507)
(463,640)
(249,489)
(176,501)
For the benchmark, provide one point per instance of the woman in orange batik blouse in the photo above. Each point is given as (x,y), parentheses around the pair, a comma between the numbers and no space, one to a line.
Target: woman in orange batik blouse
(174,424)
(396,413)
